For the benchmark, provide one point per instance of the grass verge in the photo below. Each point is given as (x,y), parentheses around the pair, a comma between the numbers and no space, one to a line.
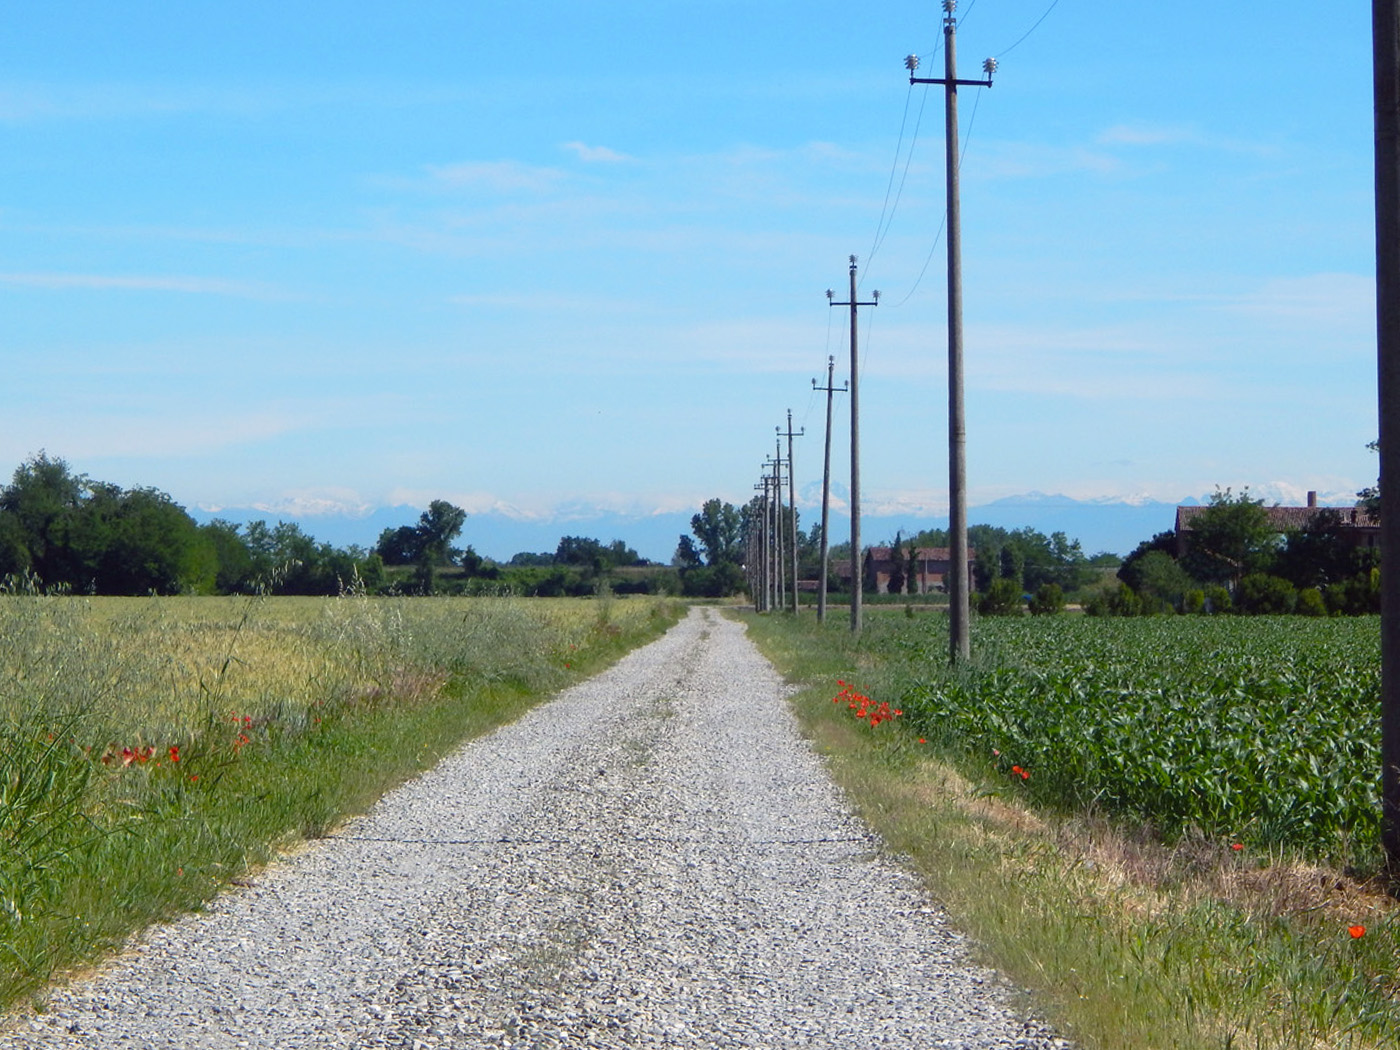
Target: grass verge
(153,751)
(1124,941)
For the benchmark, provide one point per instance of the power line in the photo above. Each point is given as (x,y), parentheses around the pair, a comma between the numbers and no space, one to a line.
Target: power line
(938,237)
(1032,29)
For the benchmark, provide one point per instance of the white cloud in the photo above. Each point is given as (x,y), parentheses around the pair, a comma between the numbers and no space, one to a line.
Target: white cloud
(1148,135)
(595,154)
(1031,160)
(173,283)
(1324,299)
(500,176)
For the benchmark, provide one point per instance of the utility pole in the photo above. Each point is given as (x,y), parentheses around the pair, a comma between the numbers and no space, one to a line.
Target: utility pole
(959,637)
(1385,31)
(778,522)
(826,483)
(758,540)
(856,580)
(792,505)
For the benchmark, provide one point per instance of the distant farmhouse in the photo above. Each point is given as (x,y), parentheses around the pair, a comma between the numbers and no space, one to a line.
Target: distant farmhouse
(1356,524)
(931,566)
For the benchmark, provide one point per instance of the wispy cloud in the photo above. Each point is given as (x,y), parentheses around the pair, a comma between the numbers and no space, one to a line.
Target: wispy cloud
(116,282)
(1148,135)
(1151,135)
(595,154)
(1031,160)
(1325,299)
(500,176)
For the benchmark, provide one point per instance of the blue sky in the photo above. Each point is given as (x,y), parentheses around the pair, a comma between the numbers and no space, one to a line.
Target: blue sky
(545,254)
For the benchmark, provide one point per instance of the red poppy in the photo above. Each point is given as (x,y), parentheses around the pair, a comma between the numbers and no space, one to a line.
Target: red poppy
(1237,846)
(1356,931)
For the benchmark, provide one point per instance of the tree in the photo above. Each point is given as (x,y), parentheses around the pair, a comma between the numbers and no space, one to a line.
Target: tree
(1321,553)
(1370,496)
(427,544)
(1160,580)
(234,561)
(400,546)
(42,495)
(687,554)
(718,529)
(438,526)
(1162,542)
(137,541)
(1229,539)
(896,583)
(1262,595)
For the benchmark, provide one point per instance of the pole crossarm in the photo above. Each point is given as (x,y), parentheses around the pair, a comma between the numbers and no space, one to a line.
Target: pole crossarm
(944,81)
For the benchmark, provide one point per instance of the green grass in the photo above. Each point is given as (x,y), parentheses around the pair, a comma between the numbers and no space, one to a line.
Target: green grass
(1129,938)
(152,750)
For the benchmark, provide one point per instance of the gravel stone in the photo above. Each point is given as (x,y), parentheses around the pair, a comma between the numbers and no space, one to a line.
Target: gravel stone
(653,859)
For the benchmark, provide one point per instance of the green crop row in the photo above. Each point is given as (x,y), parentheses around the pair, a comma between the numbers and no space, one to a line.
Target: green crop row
(1264,731)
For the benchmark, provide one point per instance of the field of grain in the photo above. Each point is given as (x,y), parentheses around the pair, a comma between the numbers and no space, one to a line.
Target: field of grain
(152,749)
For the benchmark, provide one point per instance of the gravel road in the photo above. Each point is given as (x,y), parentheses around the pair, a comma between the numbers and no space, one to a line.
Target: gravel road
(653,859)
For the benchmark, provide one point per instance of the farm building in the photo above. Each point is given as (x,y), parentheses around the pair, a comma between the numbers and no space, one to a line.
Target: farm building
(1356,523)
(930,567)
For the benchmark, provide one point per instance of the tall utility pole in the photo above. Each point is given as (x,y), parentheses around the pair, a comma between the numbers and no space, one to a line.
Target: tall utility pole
(758,547)
(959,637)
(778,527)
(776,480)
(792,504)
(826,484)
(1385,31)
(855,446)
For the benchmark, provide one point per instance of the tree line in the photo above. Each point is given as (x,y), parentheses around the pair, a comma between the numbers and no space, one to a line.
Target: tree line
(63,532)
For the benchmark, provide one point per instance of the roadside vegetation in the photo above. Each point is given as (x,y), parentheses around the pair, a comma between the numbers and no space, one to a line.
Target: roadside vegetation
(153,750)
(1165,828)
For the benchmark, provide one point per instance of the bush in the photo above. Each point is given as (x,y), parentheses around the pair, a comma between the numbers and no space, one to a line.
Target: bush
(1194,601)
(1048,600)
(1116,600)
(1263,595)
(1358,596)
(1217,600)
(1003,598)
(1310,602)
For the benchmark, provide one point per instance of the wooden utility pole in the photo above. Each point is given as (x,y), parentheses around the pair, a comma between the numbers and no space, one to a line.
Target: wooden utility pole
(792,504)
(855,445)
(1385,26)
(959,635)
(758,541)
(826,484)
(779,572)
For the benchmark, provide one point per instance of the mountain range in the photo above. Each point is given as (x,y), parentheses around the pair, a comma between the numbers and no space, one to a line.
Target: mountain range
(1116,526)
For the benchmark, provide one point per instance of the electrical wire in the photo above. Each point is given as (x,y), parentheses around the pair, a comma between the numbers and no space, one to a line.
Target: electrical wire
(1032,29)
(885,211)
(881,234)
(882,228)
(943,225)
